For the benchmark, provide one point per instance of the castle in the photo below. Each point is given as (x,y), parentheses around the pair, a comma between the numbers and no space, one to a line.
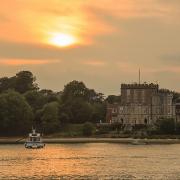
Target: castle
(141,104)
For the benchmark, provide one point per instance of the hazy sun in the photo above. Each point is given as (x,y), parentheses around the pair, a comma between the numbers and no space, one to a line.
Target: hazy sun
(62,40)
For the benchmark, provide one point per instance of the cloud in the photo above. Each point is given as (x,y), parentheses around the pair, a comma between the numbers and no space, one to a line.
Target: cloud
(172,59)
(20,62)
(94,63)
(135,9)
(32,21)
(116,39)
(3,18)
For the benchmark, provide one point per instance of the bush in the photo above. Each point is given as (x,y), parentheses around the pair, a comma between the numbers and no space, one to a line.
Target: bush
(88,129)
(165,125)
(178,128)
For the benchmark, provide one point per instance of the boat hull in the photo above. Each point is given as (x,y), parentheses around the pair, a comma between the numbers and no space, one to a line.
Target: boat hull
(34,145)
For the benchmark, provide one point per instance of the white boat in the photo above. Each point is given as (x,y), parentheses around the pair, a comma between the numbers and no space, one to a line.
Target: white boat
(34,140)
(138,142)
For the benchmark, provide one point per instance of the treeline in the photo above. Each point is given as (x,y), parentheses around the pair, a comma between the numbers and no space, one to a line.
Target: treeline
(23,105)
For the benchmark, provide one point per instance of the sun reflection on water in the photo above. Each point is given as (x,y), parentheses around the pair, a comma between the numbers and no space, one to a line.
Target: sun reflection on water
(90,161)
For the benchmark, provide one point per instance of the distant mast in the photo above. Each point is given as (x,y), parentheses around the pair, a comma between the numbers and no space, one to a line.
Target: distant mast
(139,76)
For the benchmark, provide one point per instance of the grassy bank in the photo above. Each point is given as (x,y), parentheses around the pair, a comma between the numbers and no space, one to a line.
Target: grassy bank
(68,130)
(75,130)
(97,140)
(73,133)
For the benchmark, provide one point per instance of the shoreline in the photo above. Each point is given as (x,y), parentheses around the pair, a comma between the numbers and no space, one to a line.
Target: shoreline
(94,140)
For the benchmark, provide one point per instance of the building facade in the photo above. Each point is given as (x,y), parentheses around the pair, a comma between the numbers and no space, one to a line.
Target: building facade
(141,104)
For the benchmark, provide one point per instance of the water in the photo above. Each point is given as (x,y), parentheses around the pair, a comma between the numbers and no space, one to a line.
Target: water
(90,161)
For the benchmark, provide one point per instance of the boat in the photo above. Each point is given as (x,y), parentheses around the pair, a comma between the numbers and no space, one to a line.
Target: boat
(138,142)
(34,140)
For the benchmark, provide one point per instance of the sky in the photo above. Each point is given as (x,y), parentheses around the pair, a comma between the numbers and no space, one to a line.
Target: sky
(100,42)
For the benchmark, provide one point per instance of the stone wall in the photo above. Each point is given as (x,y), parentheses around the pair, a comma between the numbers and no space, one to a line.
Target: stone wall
(141,104)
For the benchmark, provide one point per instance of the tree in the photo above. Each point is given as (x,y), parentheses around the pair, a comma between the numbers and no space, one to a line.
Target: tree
(49,95)
(35,99)
(7,83)
(50,117)
(81,104)
(22,82)
(94,97)
(15,114)
(78,110)
(88,129)
(98,113)
(25,81)
(74,89)
(113,99)
(64,118)
(75,104)
(165,125)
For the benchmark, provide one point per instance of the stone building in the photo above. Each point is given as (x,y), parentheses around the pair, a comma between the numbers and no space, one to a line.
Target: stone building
(141,104)
(178,110)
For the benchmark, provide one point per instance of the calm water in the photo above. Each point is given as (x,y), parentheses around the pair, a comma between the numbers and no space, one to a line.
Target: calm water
(90,161)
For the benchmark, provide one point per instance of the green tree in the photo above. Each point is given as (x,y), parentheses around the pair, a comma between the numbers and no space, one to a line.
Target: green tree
(35,99)
(165,125)
(25,81)
(64,118)
(7,83)
(88,129)
(50,117)
(74,89)
(15,114)
(98,113)
(94,97)
(113,99)
(49,95)
(81,104)
(79,111)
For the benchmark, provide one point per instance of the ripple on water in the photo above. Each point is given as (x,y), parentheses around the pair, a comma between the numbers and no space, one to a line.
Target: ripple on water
(92,161)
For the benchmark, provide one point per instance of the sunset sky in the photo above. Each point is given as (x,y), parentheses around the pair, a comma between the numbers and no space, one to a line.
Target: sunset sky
(100,42)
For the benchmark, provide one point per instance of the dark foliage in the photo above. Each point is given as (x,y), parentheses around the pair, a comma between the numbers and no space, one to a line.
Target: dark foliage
(88,129)
(15,114)
(113,99)
(23,105)
(166,125)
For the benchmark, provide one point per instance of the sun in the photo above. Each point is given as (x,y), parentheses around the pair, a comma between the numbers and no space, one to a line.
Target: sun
(62,40)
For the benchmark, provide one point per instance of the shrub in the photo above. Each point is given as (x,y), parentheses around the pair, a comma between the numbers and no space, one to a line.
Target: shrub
(178,128)
(88,129)
(165,125)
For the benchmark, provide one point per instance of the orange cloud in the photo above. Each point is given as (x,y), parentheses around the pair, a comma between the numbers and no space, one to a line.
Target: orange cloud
(20,62)
(34,21)
(95,63)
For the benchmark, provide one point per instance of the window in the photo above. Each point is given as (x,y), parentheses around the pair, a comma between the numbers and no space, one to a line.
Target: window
(121,109)
(169,101)
(145,121)
(136,95)
(122,121)
(169,110)
(128,95)
(114,110)
(128,92)
(134,120)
